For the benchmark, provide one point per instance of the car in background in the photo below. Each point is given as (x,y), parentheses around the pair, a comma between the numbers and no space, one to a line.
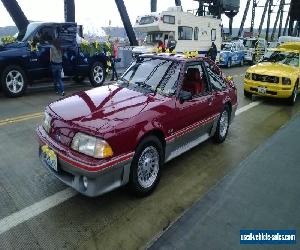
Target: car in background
(162,106)
(28,58)
(255,48)
(277,75)
(232,53)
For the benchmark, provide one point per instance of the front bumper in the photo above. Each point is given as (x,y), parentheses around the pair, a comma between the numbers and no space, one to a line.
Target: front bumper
(272,90)
(102,178)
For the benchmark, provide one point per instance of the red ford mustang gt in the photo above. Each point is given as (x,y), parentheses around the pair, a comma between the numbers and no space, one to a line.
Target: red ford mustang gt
(162,106)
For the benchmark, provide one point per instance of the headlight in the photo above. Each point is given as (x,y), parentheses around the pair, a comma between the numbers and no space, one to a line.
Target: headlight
(286,81)
(248,75)
(47,122)
(221,58)
(91,146)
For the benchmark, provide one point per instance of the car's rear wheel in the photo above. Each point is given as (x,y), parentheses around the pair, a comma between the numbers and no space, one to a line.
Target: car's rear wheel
(292,99)
(146,166)
(247,94)
(14,81)
(97,74)
(222,126)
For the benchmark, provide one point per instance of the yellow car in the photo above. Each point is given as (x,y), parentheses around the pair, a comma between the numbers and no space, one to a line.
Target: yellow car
(277,75)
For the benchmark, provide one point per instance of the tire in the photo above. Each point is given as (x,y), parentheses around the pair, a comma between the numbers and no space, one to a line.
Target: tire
(14,81)
(247,94)
(97,74)
(223,126)
(79,79)
(292,99)
(229,63)
(149,147)
(242,62)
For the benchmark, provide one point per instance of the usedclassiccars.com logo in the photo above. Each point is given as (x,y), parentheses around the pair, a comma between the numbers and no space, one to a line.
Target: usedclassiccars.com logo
(267,236)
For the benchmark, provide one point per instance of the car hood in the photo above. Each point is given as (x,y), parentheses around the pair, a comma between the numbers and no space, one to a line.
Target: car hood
(225,52)
(100,108)
(272,69)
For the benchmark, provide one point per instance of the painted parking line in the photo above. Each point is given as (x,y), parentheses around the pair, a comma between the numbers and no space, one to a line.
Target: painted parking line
(42,206)
(21,118)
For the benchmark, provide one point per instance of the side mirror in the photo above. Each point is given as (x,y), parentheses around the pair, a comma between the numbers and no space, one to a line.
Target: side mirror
(185,96)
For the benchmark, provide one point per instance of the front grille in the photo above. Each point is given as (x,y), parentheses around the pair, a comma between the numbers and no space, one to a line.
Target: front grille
(265,78)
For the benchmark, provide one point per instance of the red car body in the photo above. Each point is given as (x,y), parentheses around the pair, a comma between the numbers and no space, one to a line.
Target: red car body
(123,116)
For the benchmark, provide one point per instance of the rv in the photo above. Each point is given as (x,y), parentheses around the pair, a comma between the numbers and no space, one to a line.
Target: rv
(188,31)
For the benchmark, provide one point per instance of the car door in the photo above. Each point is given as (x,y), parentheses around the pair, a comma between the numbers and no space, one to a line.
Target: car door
(194,116)
(40,58)
(67,35)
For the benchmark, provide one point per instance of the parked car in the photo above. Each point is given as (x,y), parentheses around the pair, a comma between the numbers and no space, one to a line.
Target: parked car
(162,106)
(255,48)
(232,53)
(27,59)
(277,75)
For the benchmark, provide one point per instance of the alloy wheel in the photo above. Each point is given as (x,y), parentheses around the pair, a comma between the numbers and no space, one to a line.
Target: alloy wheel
(148,167)
(14,81)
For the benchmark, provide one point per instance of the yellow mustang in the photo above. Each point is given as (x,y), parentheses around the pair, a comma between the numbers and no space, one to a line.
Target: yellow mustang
(277,75)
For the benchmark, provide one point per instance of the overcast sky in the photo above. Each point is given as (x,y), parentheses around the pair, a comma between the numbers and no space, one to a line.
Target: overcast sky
(97,13)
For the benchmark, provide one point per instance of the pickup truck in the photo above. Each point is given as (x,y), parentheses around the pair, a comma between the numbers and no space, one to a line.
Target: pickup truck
(27,59)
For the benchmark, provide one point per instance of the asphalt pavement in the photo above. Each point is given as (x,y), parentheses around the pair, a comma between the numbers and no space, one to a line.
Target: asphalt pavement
(262,192)
(38,212)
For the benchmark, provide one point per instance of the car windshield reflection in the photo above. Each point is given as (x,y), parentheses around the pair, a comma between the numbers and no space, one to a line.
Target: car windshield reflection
(152,74)
(288,58)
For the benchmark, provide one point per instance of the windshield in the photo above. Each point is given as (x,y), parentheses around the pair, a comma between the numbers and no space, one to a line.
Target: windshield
(250,43)
(151,75)
(154,37)
(226,47)
(24,35)
(288,58)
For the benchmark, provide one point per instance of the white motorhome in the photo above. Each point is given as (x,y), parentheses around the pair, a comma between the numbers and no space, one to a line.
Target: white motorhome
(191,33)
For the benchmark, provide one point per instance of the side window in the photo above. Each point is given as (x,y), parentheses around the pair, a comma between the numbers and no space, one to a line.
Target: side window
(169,19)
(195,80)
(185,33)
(215,78)
(169,84)
(46,35)
(196,33)
(213,35)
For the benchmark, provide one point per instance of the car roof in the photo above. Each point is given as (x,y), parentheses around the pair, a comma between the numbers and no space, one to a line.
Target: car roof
(173,57)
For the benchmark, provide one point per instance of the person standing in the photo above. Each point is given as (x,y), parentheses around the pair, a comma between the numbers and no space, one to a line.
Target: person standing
(212,52)
(56,59)
(114,60)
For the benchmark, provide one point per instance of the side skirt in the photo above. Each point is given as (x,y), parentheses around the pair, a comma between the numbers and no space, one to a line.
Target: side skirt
(187,146)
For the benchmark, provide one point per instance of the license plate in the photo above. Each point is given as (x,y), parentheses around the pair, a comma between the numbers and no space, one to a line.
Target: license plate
(49,157)
(262,90)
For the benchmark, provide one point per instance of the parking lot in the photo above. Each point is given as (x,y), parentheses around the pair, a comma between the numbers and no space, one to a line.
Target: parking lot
(36,206)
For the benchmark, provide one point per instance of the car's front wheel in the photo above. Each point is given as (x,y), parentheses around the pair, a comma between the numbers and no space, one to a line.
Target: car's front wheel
(247,94)
(242,62)
(229,63)
(146,166)
(222,126)
(292,99)
(14,81)
(97,74)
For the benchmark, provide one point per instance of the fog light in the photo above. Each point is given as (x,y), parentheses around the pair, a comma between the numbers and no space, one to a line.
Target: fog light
(85,182)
